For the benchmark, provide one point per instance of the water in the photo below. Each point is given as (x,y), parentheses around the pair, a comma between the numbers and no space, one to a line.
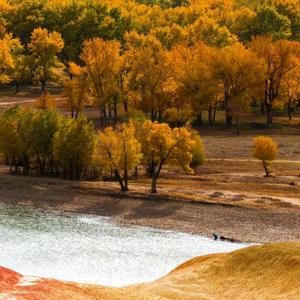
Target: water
(93,249)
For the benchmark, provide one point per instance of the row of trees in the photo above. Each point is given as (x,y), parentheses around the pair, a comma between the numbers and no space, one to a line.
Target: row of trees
(217,21)
(179,84)
(218,59)
(174,85)
(47,142)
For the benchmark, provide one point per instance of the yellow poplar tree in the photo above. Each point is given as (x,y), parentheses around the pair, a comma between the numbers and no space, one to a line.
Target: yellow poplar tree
(76,90)
(6,61)
(119,151)
(193,75)
(238,72)
(44,47)
(102,63)
(265,149)
(279,61)
(162,145)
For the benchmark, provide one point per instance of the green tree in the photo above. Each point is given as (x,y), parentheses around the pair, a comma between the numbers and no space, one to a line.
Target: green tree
(9,146)
(269,22)
(45,124)
(74,146)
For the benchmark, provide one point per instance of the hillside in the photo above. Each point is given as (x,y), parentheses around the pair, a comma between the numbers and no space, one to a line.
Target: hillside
(256,272)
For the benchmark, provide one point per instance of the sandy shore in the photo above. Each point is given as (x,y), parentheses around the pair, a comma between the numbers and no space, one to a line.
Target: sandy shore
(242,223)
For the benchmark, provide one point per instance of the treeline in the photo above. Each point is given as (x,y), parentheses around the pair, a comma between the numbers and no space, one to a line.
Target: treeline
(169,60)
(174,86)
(43,142)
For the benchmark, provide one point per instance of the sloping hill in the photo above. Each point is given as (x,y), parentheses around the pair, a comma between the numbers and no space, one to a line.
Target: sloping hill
(258,272)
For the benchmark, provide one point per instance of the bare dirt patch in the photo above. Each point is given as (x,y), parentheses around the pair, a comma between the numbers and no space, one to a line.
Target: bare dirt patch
(247,224)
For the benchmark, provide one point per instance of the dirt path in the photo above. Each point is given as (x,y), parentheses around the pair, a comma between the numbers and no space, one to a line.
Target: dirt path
(161,211)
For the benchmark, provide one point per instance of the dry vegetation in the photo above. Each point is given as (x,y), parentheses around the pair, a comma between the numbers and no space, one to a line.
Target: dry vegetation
(250,273)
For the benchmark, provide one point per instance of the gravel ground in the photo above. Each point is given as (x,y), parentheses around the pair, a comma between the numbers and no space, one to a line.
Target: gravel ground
(241,223)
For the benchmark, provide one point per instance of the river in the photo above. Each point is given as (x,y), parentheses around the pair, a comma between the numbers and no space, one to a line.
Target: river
(93,249)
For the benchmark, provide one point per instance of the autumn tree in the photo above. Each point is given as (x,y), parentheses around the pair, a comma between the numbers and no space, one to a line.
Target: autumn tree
(150,82)
(208,30)
(18,70)
(162,145)
(76,90)
(44,47)
(6,60)
(25,138)
(198,150)
(193,75)
(74,146)
(279,61)
(9,146)
(119,152)
(265,149)
(291,89)
(268,21)
(102,62)
(238,71)
(45,124)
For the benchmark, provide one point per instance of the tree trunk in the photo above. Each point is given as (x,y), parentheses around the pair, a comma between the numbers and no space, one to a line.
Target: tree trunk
(104,112)
(17,87)
(266,168)
(269,112)
(199,119)
(153,184)
(152,115)
(126,179)
(229,119)
(25,165)
(125,106)
(262,108)
(10,165)
(210,115)
(109,110)
(136,173)
(214,114)
(237,126)
(101,115)
(122,185)
(290,109)
(78,172)
(115,107)
(43,83)
(159,117)
(228,111)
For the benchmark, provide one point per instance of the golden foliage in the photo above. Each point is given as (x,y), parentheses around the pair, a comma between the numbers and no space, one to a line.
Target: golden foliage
(119,151)
(265,149)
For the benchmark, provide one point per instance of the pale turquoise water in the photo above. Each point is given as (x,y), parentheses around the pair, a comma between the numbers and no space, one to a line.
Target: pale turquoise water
(93,249)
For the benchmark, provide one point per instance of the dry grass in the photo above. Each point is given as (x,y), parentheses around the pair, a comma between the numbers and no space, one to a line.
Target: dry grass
(258,272)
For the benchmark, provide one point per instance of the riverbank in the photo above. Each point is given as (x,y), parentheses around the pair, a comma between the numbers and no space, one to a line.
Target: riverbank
(258,272)
(247,224)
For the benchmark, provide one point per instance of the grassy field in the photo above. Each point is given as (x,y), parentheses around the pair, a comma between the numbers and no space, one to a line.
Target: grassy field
(258,272)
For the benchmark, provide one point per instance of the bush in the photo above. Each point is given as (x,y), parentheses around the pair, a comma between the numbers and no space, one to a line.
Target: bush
(265,149)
